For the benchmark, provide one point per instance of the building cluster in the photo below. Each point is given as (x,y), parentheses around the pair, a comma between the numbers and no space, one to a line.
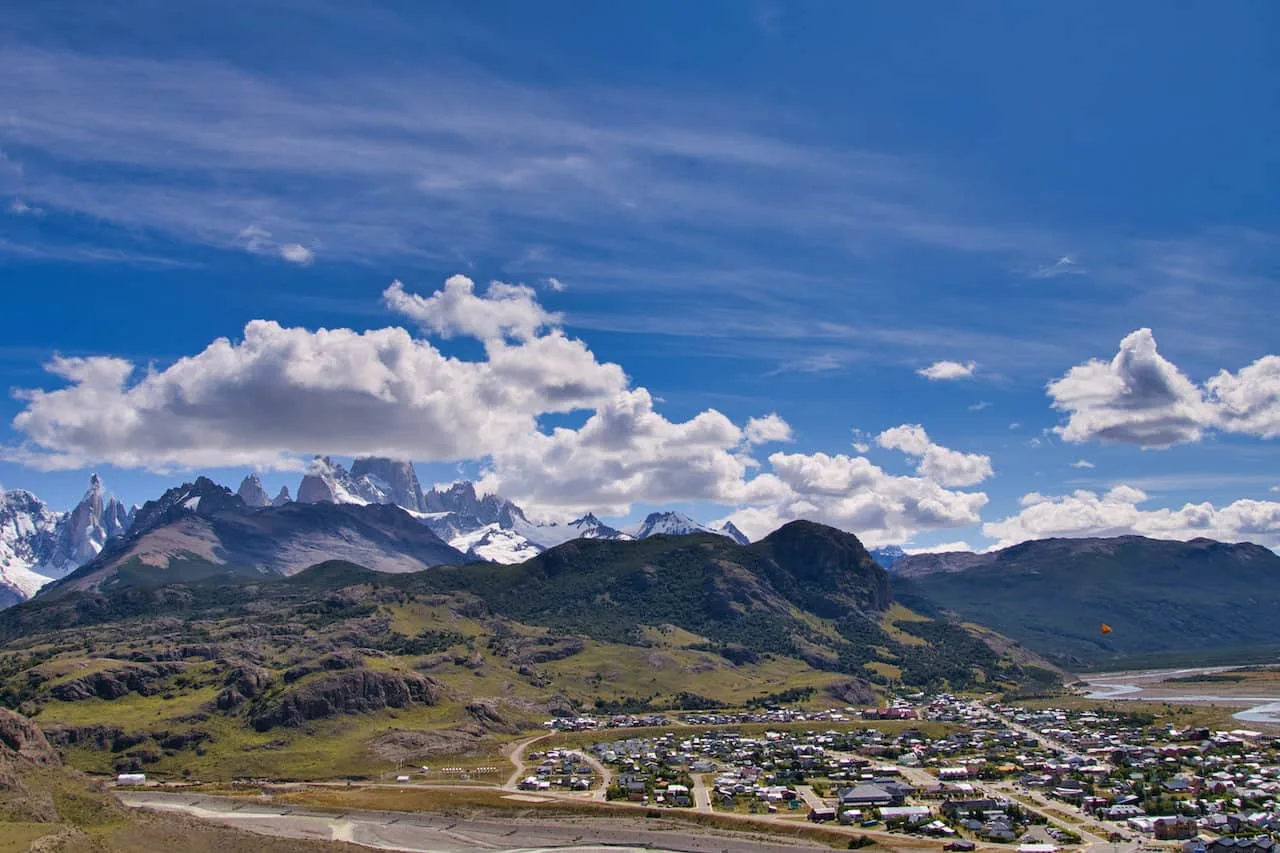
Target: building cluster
(558,769)
(1001,773)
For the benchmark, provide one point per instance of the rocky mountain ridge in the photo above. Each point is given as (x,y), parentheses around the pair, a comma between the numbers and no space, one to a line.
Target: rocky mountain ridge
(39,544)
(1162,599)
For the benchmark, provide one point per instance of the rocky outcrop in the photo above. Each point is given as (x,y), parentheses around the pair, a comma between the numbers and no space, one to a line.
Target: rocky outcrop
(486,713)
(114,683)
(854,692)
(355,692)
(22,739)
(391,480)
(241,684)
(282,498)
(547,649)
(252,493)
(330,663)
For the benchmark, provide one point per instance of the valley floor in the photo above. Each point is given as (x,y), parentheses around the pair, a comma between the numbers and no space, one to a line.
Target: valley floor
(434,833)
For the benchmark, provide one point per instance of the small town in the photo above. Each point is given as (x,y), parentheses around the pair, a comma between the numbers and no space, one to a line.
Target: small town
(960,771)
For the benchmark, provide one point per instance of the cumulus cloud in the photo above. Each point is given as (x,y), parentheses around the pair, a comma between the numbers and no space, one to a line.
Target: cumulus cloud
(280,392)
(1141,398)
(1249,401)
(946,466)
(852,493)
(556,284)
(296,253)
(626,451)
(979,406)
(769,429)
(504,311)
(1117,512)
(1082,463)
(941,371)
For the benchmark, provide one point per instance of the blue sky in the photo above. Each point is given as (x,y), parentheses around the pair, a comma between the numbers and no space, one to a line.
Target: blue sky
(752,208)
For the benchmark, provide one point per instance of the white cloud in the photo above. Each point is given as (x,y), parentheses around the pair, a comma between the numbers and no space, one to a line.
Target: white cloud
(979,406)
(1117,513)
(505,310)
(296,253)
(1083,463)
(281,392)
(258,241)
(940,548)
(768,429)
(1249,401)
(1141,398)
(851,493)
(946,466)
(941,371)
(1065,265)
(556,284)
(278,395)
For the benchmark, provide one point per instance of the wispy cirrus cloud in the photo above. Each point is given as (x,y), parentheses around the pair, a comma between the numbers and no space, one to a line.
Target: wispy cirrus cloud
(201,149)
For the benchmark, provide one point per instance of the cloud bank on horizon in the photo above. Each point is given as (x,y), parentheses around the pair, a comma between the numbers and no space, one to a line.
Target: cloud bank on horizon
(279,395)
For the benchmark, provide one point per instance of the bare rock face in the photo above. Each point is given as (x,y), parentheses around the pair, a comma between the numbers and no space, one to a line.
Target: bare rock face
(394,480)
(282,498)
(22,739)
(114,683)
(854,692)
(486,713)
(252,493)
(352,692)
(242,683)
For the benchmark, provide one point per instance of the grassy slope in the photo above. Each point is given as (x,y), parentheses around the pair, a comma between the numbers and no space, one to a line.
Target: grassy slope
(649,621)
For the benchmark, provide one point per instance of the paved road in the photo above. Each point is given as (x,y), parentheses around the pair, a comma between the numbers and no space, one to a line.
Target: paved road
(701,796)
(1051,742)
(517,759)
(811,799)
(428,833)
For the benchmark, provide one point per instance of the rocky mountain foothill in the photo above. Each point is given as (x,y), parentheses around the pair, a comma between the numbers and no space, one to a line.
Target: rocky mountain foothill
(242,673)
(1165,602)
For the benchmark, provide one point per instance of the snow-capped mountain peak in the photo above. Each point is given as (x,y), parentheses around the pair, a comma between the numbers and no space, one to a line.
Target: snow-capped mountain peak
(888,555)
(669,523)
(730,529)
(39,544)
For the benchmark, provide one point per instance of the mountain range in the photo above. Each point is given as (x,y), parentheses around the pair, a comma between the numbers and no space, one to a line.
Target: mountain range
(1162,600)
(39,544)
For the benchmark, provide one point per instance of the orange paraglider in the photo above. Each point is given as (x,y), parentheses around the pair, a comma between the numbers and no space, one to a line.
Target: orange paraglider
(1106,629)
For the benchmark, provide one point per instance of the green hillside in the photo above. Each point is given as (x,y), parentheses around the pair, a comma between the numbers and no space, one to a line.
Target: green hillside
(1164,601)
(340,671)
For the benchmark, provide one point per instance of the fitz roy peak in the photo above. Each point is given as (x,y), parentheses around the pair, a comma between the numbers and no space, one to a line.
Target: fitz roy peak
(39,544)
(487,527)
